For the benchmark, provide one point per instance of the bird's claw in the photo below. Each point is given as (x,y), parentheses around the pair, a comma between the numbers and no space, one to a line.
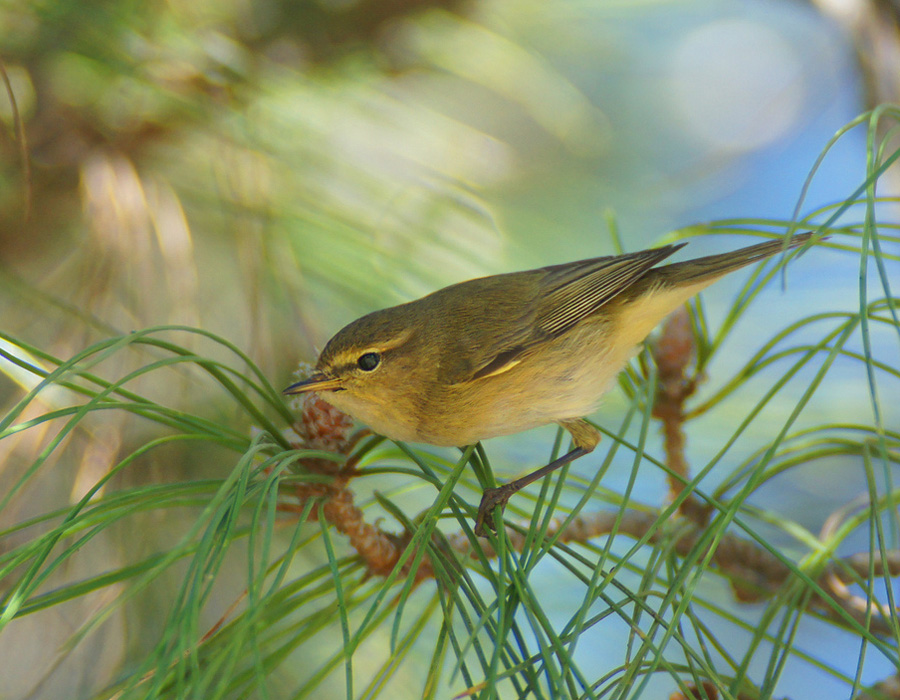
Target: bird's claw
(490,499)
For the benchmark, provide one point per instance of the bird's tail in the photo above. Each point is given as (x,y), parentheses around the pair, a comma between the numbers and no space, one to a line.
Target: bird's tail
(691,272)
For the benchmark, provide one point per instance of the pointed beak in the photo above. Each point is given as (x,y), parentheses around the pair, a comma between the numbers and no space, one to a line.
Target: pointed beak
(317,382)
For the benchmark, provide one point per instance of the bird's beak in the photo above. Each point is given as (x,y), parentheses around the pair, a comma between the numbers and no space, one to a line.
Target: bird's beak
(317,382)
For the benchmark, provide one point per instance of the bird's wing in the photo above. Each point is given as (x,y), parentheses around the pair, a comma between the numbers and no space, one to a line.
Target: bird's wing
(568,294)
(573,291)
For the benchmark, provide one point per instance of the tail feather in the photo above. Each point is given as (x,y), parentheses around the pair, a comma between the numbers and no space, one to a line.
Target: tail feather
(713,266)
(663,289)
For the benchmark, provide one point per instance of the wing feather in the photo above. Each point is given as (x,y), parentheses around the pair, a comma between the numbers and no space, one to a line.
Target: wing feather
(567,294)
(573,292)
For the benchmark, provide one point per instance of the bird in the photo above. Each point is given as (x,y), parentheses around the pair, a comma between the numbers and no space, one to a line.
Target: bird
(505,353)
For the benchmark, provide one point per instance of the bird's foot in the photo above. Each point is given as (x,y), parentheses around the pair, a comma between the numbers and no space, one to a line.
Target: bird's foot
(490,499)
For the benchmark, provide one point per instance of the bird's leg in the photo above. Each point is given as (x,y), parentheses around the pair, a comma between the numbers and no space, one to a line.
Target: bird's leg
(585,438)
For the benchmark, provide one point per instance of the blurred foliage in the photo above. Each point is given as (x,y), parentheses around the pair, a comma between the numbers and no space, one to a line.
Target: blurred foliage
(161,134)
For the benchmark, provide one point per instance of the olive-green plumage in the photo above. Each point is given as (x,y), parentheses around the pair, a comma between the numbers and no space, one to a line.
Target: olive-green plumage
(501,354)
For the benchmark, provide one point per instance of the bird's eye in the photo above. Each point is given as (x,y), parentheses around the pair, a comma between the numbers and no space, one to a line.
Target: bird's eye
(369,361)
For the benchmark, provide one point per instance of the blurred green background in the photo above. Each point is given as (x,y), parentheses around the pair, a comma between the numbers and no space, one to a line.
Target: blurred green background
(269,170)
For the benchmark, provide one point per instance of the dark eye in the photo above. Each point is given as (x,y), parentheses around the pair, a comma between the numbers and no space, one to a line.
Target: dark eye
(369,361)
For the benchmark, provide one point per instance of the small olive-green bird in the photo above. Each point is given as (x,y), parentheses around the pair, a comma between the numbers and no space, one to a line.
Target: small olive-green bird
(505,353)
